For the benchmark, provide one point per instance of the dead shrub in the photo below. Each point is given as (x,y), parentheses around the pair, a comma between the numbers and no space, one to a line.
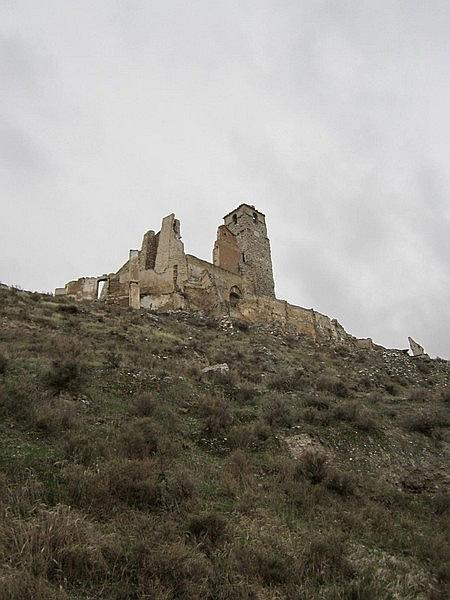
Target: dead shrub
(136,482)
(56,415)
(209,528)
(289,381)
(352,412)
(59,545)
(3,364)
(16,584)
(266,559)
(312,465)
(65,374)
(144,405)
(327,383)
(140,438)
(340,482)
(325,558)
(278,412)
(171,570)
(425,422)
(217,416)
(68,309)
(245,394)
(250,436)
(84,447)
(420,395)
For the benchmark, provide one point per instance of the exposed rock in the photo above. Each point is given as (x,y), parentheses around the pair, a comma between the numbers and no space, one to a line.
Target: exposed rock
(298,444)
(219,368)
(416,348)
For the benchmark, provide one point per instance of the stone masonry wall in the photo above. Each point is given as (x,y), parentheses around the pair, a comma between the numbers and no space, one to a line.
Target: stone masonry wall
(249,227)
(227,253)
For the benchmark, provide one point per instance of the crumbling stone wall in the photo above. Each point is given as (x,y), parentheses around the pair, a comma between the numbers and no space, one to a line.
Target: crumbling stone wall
(160,276)
(226,254)
(149,250)
(292,318)
(209,286)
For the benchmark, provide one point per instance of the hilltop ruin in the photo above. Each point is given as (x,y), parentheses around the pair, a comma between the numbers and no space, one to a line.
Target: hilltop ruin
(239,282)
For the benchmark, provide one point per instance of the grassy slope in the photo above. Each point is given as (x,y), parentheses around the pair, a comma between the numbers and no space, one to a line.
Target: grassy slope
(305,472)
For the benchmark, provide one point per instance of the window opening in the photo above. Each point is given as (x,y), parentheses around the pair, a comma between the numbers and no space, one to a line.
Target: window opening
(100,286)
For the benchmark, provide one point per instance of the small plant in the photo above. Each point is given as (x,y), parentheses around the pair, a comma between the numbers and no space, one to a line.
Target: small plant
(333,385)
(3,364)
(144,405)
(217,416)
(64,375)
(278,412)
(55,416)
(325,556)
(69,309)
(289,382)
(340,482)
(425,422)
(140,438)
(312,466)
(208,527)
(445,396)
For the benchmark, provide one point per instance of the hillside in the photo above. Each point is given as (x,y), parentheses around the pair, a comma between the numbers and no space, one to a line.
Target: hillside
(305,471)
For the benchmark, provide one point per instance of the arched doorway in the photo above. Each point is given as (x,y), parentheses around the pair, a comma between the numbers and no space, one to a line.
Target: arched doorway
(235,295)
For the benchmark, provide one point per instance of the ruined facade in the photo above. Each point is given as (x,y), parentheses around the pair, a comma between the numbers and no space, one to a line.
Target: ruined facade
(239,281)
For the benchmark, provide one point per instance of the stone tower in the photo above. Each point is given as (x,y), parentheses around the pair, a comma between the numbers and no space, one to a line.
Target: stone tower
(255,261)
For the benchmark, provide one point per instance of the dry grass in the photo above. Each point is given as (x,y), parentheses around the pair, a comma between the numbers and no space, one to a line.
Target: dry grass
(181,485)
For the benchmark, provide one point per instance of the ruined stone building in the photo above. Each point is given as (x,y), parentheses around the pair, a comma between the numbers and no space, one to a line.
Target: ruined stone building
(239,281)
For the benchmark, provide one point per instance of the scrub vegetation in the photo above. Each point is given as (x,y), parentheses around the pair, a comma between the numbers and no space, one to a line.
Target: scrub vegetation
(305,471)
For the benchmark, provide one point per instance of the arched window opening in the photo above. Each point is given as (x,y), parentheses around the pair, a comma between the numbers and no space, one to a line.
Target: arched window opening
(255,217)
(235,219)
(243,257)
(235,295)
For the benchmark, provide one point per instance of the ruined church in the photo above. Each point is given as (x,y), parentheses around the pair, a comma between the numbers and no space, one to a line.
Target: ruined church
(239,282)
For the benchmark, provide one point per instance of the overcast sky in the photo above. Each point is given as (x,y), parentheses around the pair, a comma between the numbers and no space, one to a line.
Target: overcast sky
(332,117)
